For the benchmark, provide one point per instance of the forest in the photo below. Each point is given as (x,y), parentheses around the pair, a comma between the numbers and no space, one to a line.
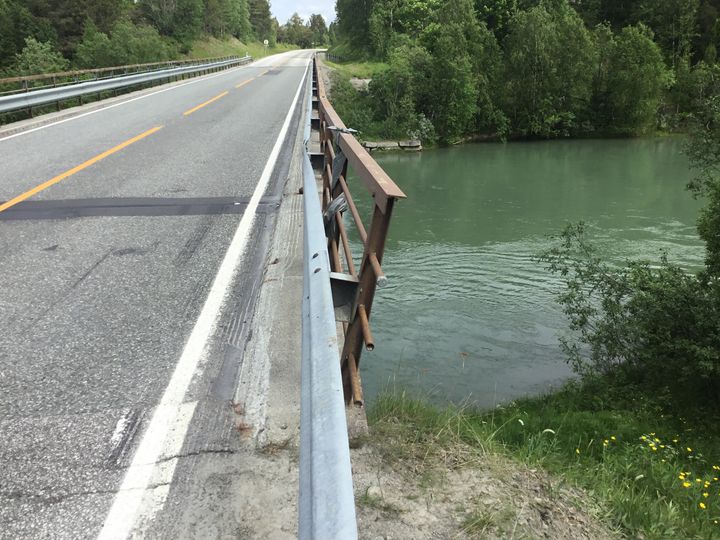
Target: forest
(45,36)
(527,68)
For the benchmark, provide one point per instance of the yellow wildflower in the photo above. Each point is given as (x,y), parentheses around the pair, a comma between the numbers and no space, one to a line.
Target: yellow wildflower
(686,484)
(577,450)
(689,449)
(702,505)
(698,480)
(682,476)
(662,446)
(654,448)
(643,438)
(706,495)
(657,440)
(675,440)
(613,438)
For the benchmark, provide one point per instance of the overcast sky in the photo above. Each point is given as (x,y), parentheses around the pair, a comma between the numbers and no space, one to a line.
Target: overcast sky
(283,9)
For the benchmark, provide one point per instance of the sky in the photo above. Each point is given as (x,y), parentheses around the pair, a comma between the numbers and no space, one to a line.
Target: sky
(283,9)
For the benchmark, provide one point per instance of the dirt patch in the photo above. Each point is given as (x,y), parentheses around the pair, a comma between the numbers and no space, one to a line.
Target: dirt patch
(465,495)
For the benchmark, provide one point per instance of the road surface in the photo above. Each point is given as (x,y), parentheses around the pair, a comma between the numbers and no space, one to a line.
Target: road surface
(133,243)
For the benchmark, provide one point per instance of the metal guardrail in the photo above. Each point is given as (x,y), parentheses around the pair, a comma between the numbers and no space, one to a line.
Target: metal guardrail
(354,285)
(326,501)
(76,75)
(55,95)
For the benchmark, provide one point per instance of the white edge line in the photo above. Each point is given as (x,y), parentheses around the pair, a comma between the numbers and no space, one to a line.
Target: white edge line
(123,515)
(174,87)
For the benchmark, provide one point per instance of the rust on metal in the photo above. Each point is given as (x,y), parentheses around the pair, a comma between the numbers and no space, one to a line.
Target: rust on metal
(365,325)
(377,270)
(346,245)
(336,139)
(356,383)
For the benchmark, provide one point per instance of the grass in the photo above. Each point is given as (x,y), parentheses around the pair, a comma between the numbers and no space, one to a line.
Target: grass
(359,70)
(378,503)
(653,473)
(211,47)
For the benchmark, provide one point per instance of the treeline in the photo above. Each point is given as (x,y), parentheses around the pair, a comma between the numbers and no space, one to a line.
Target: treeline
(314,33)
(39,36)
(529,68)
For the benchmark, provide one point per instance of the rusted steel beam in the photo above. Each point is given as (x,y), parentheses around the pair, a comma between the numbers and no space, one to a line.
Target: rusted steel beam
(346,244)
(365,327)
(377,270)
(353,210)
(385,192)
(368,283)
(355,381)
(336,263)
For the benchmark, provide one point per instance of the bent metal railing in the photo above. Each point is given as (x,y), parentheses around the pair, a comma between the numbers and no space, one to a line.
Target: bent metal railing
(353,285)
(34,93)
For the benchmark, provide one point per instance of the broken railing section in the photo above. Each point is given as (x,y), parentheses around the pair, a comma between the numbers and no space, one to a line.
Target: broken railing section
(353,285)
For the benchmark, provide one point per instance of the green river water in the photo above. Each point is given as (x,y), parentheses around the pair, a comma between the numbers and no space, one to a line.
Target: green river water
(468,314)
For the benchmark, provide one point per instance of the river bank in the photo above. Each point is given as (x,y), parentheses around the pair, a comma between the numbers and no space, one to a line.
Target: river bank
(631,467)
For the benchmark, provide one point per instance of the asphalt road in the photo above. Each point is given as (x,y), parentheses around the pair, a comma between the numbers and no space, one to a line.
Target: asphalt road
(128,273)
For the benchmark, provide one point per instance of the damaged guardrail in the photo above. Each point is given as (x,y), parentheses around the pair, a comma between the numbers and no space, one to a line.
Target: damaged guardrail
(353,285)
(28,98)
(326,501)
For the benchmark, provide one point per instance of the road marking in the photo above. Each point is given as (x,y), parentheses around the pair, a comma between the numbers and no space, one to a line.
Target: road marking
(264,73)
(244,83)
(169,424)
(74,170)
(208,102)
(144,96)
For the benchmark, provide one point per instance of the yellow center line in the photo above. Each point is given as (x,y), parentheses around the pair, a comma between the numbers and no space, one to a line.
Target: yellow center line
(244,83)
(264,72)
(66,174)
(208,102)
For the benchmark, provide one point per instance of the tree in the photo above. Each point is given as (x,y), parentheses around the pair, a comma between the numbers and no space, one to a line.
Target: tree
(353,21)
(674,25)
(449,98)
(180,19)
(261,19)
(127,43)
(39,57)
(319,29)
(296,32)
(550,59)
(636,80)
(396,92)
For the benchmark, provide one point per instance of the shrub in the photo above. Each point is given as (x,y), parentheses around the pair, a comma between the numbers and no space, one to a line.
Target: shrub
(38,57)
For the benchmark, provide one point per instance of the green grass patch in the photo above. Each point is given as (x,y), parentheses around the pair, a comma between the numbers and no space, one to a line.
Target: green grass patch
(359,70)
(211,47)
(653,472)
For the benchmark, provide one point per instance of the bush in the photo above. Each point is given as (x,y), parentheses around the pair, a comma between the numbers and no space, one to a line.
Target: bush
(38,57)
(656,327)
(128,43)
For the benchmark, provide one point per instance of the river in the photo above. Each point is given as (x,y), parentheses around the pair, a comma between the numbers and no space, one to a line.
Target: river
(468,315)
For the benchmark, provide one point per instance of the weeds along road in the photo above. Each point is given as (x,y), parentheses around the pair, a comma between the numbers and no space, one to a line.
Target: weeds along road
(133,242)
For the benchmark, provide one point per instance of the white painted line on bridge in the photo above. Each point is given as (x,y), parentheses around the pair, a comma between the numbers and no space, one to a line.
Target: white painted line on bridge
(137,501)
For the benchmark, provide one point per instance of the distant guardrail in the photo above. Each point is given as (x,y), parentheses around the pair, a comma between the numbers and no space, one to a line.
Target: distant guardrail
(27,97)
